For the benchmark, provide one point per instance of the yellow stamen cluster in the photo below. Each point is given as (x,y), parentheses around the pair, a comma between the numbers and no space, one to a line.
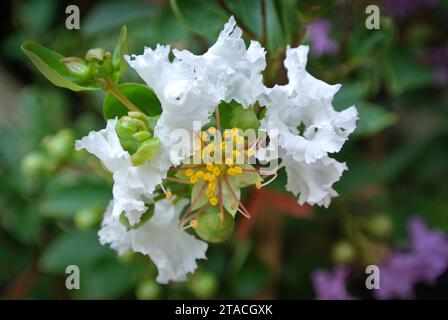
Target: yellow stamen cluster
(212,171)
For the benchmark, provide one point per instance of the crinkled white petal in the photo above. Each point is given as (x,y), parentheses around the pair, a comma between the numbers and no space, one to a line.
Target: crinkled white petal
(184,97)
(313,182)
(302,111)
(191,86)
(173,250)
(113,232)
(229,65)
(133,186)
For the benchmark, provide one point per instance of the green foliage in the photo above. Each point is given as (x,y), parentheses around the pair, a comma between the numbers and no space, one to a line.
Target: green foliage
(49,63)
(140,95)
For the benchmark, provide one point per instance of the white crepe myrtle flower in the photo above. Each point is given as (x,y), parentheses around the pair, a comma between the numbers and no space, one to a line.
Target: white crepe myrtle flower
(172,250)
(191,86)
(307,129)
(302,111)
(133,185)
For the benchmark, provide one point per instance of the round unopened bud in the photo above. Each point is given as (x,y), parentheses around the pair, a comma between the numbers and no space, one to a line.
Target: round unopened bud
(61,145)
(203,285)
(148,290)
(146,151)
(343,252)
(87,218)
(380,225)
(77,67)
(214,227)
(95,54)
(34,164)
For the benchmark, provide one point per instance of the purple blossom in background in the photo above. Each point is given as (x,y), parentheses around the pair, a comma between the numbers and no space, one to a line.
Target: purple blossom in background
(397,277)
(427,260)
(430,250)
(330,286)
(424,263)
(400,9)
(321,42)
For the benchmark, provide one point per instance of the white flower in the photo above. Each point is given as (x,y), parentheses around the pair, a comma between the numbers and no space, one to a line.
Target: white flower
(232,69)
(301,116)
(313,181)
(190,87)
(302,111)
(173,250)
(133,186)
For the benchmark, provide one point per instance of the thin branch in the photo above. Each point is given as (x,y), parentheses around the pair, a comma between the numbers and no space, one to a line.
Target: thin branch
(264,36)
(240,23)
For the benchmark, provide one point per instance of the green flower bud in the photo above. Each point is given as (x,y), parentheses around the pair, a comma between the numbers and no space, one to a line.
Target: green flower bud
(380,226)
(87,218)
(95,54)
(77,67)
(127,257)
(343,252)
(212,227)
(61,145)
(203,285)
(147,150)
(148,290)
(34,164)
(142,136)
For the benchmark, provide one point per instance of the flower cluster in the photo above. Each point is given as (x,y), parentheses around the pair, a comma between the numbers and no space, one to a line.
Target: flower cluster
(158,194)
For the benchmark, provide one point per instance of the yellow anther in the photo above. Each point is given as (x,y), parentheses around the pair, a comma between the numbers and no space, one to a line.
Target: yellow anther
(212,130)
(231,171)
(222,145)
(207,176)
(210,193)
(193,224)
(213,201)
(227,133)
(211,186)
(204,136)
(216,171)
(236,153)
(193,179)
(235,131)
(258,185)
(200,174)
(234,205)
(239,139)
(210,166)
(169,195)
(189,172)
(238,170)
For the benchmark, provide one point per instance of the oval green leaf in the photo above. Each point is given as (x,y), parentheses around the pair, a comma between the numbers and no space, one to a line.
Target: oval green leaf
(140,95)
(48,62)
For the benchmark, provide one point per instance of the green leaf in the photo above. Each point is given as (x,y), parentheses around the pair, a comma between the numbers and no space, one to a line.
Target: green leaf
(65,201)
(287,15)
(81,248)
(140,95)
(121,48)
(372,119)
(404,73)
(49,63)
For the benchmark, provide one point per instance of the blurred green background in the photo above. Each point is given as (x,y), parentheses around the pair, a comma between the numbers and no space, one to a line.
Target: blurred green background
(52,199)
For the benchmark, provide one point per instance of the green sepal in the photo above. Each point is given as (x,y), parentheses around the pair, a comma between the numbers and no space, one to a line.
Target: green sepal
(146,151)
